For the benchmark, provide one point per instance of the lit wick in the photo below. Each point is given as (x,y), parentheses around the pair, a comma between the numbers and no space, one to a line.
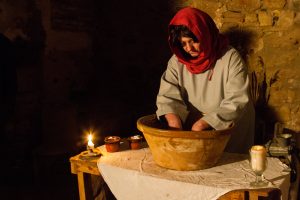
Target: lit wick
(90,145)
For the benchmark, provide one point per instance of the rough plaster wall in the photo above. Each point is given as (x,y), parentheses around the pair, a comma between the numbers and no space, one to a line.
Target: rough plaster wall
(19,22)
(267,34)
(66,67)
(102,76)
(49,67)
(78,68)
(84,63)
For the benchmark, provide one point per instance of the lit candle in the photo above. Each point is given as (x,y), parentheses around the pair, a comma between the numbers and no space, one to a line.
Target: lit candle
(90,145)
(258,155)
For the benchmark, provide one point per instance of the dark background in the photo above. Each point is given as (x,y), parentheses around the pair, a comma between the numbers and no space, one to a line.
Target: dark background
(69,67)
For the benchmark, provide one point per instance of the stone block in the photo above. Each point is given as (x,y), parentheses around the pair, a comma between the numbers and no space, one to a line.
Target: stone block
(286,18)
(232,20)
(233,17)
(235,5)
(230,14)
(240,5)
(274,4)
(251,5)
(251,18)
(219,16)
(265,18)
(227,26)
(291,95)
(209,7)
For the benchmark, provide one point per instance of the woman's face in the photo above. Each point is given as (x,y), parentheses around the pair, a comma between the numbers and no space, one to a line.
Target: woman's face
(191,47)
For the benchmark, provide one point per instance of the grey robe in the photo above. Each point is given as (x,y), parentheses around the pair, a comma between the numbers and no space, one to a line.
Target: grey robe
(220,101)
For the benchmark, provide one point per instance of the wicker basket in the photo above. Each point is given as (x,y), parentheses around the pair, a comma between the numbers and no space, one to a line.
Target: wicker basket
(183,150)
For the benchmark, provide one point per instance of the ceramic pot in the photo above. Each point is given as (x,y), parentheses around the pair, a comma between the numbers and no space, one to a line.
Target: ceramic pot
(135,141)
(112,143)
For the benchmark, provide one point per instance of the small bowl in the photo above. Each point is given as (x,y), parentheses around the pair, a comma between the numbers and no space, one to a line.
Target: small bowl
(135,141)
(284,140)
(112,143)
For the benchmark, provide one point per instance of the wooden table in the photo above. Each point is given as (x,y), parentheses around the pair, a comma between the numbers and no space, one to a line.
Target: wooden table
(266,194)
(84,168)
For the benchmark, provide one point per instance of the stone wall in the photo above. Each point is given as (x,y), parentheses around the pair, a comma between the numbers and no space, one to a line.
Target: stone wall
(68,75)
(267,34)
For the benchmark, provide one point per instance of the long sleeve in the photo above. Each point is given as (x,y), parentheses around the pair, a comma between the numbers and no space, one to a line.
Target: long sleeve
(236,98)
(169,98)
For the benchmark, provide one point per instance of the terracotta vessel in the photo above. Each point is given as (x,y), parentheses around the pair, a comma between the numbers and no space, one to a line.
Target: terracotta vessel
(112,143)
(135,141)
(183,150)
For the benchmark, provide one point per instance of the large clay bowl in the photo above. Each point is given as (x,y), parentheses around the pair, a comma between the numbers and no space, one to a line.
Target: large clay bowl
(183,150)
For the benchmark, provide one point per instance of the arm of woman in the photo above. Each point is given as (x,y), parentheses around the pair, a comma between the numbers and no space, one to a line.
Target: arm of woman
(169,99)
(236,95)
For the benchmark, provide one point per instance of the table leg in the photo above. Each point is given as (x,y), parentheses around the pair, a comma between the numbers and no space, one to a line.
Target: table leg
(233,195)
(84,187)
(272,194)
(253,196)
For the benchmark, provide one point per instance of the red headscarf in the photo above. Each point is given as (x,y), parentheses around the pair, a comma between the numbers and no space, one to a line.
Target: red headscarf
(212,43)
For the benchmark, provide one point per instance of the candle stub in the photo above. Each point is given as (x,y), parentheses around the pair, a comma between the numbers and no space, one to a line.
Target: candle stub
(90,145)
(258,156)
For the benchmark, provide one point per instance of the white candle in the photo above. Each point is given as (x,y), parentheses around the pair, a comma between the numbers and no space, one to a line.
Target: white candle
(258,155)
(90,143)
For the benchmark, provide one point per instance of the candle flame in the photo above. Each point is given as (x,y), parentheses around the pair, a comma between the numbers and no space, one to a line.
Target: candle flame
(90,137)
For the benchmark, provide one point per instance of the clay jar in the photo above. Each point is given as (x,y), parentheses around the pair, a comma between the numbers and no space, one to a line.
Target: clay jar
(112,143)
(135,141)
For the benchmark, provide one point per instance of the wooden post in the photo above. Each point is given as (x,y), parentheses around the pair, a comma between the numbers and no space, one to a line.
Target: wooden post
(81,186)
(233,195)
(84,186)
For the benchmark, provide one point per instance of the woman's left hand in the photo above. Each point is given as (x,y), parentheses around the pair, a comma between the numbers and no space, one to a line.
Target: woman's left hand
(200,125)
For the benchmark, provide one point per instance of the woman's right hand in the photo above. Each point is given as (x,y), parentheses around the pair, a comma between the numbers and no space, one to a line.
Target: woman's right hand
(200,125)
(174,121)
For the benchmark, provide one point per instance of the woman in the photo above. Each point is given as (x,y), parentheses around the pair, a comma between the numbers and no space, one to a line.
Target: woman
(205,85)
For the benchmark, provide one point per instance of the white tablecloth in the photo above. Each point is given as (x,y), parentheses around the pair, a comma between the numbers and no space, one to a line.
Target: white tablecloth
(133,175)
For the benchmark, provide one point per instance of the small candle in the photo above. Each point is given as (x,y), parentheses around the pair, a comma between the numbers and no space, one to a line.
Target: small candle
(90,145)
(258,155)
